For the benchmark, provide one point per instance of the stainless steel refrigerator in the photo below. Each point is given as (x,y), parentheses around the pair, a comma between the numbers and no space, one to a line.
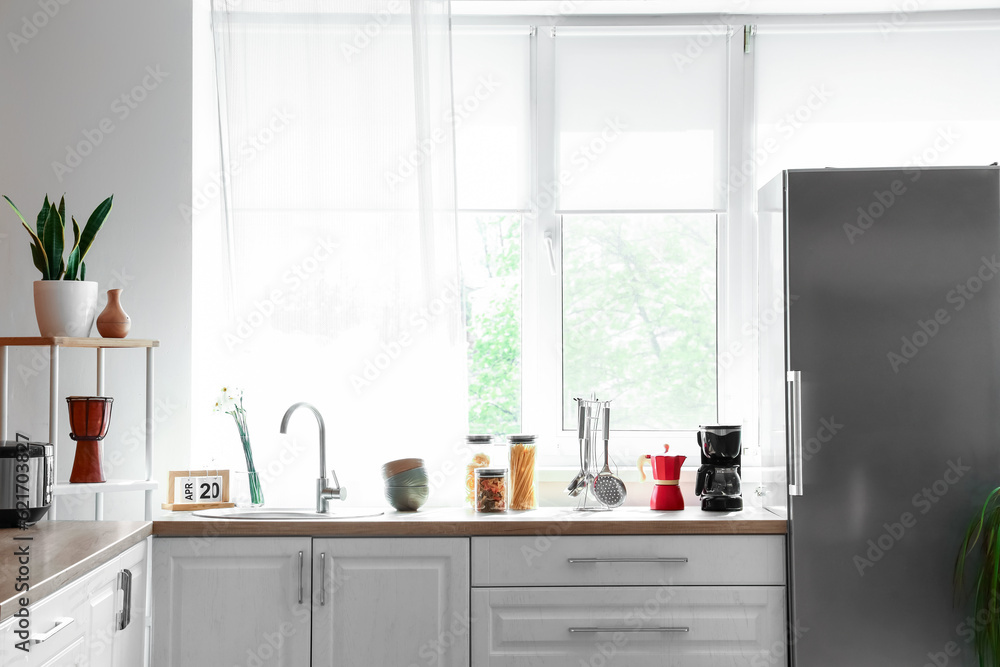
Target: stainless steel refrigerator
(880,401)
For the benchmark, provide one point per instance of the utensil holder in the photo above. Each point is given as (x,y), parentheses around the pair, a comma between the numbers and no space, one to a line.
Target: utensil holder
(591,446)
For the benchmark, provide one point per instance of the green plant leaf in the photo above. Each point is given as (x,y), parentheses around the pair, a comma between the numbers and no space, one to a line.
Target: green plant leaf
(983,529)
(76,234)
(94,224)
(43,215)
(42,266)
(83,270)
(73,265)
(52,241)
(38,257)
(62,209)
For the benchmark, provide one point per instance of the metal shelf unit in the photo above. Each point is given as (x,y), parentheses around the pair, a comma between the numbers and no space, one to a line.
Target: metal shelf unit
(100,344)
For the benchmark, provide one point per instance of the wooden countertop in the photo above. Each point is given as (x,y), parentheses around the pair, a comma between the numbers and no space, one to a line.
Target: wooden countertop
(60,552)
(452,522)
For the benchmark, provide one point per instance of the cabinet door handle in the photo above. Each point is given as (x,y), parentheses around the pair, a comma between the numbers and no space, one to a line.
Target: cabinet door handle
(126,586)
(61,624)
(660,629)
(626,560)
(322,579)
(301,565)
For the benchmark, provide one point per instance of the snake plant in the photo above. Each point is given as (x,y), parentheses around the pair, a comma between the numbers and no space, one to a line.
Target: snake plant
(47,239)
(983,529)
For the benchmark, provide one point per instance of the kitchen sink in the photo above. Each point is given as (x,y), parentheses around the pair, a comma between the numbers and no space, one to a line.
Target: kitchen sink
(284,514)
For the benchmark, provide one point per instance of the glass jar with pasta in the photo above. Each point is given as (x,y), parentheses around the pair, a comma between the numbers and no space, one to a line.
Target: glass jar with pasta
(523,485)
(481,445)
(491,489)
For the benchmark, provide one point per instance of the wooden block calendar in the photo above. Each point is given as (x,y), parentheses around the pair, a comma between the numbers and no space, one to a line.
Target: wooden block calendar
(191,490)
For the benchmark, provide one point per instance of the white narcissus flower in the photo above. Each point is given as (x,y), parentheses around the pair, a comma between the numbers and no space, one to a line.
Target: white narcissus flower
(228,399)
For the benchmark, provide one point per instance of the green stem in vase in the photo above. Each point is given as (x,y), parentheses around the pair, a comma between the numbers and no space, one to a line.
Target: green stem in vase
(256,493)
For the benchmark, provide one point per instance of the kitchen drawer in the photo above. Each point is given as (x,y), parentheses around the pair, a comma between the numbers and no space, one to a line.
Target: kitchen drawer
(634,626)
(630,560)
(71,609)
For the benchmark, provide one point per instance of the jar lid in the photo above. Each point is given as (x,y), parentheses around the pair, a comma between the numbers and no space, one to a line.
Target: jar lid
(484,439)
(491,472)
(521,439)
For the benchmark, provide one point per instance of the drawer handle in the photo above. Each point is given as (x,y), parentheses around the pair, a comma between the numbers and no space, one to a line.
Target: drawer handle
(61,624)
(626,560)
(663,629)
(126,587)
(301,563)
(322,580)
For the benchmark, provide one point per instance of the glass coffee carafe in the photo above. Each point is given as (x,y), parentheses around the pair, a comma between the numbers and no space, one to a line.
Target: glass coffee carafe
(718,481)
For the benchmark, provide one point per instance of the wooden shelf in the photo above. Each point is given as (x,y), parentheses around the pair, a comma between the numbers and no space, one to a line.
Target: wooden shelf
(110,486)
(63,341)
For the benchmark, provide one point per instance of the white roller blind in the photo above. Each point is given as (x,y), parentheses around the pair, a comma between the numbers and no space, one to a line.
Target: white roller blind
(491,86)
(873,98)
(641,120)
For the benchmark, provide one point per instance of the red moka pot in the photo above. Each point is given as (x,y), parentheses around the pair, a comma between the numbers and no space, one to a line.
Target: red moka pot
(666,480)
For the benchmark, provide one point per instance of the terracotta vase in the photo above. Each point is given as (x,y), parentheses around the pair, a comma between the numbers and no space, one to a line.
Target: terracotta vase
(114,322)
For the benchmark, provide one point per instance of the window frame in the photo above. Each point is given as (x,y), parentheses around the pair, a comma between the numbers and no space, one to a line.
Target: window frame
(542,316)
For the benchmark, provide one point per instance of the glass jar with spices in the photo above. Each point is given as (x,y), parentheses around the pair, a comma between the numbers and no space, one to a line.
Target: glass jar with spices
(523,487)
(491,489)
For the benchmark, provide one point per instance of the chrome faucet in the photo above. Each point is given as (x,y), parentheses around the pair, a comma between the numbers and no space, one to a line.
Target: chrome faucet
(324,492)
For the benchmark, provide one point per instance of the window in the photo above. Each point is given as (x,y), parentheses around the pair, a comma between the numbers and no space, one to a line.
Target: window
(588,178)
(491,78)
(605,180)
(639,317)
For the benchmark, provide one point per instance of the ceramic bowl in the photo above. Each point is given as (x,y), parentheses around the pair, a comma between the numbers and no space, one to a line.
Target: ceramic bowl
(400,465)
(407,498)
(415,477)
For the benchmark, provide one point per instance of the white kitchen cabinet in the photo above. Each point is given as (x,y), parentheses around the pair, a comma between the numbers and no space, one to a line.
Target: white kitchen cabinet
(253,601)
(80,624)
(103,600)
(629,601)
(633,626)
(6,642)
(231,601)
(116,636)
(129,646)
(391,601)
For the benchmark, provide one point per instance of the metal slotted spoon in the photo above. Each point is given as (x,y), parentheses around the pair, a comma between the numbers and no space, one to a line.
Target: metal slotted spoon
(608,488)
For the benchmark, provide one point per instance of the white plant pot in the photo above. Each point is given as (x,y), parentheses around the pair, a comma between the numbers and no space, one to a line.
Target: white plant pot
(65,307)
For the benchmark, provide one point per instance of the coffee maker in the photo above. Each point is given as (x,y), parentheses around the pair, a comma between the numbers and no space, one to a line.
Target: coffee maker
(718,481)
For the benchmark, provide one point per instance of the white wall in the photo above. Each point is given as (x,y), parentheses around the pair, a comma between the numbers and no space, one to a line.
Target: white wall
(64,66)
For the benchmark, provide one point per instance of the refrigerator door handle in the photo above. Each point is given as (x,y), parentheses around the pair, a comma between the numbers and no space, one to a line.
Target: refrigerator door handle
(794,381)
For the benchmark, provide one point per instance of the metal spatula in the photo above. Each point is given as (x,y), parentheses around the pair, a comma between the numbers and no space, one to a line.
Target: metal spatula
(608,488)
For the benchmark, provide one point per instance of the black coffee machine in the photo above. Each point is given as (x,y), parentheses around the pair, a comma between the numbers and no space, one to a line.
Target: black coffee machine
(718,482)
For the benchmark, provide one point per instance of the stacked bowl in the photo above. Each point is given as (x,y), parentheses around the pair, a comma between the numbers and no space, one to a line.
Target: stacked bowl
(406,484)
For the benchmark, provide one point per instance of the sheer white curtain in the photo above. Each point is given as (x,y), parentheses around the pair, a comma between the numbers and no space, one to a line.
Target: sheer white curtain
(876,96)
(333,275)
